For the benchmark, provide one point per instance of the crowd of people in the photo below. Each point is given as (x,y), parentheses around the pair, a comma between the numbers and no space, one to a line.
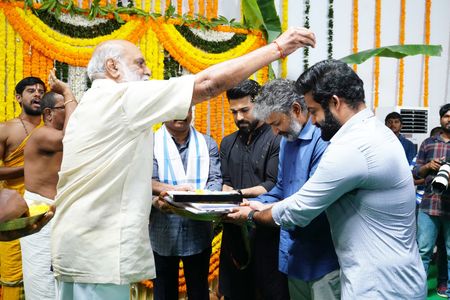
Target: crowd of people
(330,201)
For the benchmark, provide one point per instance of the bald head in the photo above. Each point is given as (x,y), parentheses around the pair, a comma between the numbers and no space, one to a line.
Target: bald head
(117,60)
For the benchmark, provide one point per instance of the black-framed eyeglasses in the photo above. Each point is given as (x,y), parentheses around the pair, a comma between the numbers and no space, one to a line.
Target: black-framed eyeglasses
(58,107)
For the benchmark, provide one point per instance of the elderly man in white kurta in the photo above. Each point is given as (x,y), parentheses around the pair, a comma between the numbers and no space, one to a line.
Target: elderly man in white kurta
(100,240)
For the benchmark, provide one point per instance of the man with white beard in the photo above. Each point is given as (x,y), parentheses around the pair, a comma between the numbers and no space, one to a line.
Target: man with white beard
(306,254)
(100,239)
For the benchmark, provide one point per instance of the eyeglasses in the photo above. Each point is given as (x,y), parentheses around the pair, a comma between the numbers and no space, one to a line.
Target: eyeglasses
(58,107)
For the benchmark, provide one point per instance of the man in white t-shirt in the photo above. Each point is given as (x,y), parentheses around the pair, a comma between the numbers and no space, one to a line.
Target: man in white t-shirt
(100,240)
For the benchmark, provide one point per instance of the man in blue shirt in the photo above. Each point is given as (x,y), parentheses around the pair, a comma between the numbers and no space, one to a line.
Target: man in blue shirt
(184,159)
(395,123)
(306,254)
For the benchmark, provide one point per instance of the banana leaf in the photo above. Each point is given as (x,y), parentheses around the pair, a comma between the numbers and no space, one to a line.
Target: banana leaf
(396,51)
(261,14)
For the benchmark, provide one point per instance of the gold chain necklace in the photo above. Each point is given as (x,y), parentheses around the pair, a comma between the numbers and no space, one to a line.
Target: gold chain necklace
(23,124)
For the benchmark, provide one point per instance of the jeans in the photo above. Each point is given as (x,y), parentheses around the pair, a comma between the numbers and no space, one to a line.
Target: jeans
(427,230)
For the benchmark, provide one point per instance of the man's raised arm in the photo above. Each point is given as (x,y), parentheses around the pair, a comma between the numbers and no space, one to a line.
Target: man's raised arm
(215,79)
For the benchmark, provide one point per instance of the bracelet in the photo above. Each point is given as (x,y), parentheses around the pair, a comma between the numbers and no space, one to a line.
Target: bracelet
(279,49)
(73,100)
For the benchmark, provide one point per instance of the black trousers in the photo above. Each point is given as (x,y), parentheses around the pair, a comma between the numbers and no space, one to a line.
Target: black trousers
(196,270)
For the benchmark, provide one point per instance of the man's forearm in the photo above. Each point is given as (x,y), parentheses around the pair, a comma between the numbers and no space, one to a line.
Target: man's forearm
(254,191)
(218,78)
(158,187)
(11,173)
(264,217)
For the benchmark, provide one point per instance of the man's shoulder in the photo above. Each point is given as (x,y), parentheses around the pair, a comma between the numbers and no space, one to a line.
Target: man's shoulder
(228,139)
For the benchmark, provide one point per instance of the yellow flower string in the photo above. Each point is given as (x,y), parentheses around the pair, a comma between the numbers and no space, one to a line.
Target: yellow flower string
(427,58)
(377,45)
(201,7)
(103,3)
(3,103)
(191,7)
(11,71)
(157,7)
(401,63)
(355,30)
(284,26)
(180,7)
(19,64)
(137,3)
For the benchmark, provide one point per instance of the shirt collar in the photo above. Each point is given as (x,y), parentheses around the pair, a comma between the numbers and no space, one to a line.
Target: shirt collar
(102,83)
(355,119)
(307,131)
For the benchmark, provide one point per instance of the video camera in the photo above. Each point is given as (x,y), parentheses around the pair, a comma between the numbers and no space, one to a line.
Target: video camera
(440,182)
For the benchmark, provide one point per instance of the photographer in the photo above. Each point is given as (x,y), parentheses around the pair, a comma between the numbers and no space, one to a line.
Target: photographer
(434,210)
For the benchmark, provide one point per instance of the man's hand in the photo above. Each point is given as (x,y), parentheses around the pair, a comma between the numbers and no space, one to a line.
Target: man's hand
(256,205)
(33,228)
(161,204)
(12,205)
(238,215)
(434,164)
(57,85)
(294,38)
(184,187)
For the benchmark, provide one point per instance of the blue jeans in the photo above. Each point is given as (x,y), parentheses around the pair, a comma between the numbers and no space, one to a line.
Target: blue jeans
(427,230)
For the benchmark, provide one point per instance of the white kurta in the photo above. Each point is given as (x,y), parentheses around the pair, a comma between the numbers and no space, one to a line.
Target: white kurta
(100,230)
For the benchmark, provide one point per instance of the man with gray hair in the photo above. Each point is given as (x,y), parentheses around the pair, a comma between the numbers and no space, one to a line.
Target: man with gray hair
(100,238)
(306,255)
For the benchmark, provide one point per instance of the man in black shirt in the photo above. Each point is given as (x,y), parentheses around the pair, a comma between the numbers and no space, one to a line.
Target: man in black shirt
(249,163)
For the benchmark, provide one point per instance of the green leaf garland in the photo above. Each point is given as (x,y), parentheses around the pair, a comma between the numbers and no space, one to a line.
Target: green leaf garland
(78,31)
(306,25)
(330,28)
(210,46)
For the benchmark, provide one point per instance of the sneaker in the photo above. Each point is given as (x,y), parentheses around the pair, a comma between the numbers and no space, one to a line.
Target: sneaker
(441,290)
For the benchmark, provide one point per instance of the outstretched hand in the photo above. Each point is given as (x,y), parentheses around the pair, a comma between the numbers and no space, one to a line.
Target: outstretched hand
(294,38)
(33,228)
(57,85)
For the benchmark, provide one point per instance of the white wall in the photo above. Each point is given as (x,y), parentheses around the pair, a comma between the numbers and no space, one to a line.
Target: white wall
(439,79)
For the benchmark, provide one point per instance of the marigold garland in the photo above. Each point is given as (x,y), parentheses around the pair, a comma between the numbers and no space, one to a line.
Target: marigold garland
(377,45)
(76,52)
(4,102)
(193,58)
(427,58)
(401,63)
(355,27)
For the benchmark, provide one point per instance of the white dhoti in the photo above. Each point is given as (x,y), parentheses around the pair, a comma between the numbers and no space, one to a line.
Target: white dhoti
(38,279)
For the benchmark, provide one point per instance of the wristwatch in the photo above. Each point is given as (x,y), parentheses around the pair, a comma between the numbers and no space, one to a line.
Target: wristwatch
(250,220)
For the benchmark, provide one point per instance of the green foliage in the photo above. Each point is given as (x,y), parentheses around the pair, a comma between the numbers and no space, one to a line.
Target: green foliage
(210,46)
(78,31)
(396,51)
(261,14)
(171,67)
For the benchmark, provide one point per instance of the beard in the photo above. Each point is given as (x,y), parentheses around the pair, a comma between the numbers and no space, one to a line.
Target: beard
(129,75)
(294,130)
(446,127)
(329,126)
(247,127)
(31,111)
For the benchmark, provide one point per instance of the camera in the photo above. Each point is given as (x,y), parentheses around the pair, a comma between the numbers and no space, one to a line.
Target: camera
(440,182)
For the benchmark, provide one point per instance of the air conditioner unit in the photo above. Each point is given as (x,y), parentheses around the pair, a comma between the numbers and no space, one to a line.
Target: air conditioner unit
(415,121)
